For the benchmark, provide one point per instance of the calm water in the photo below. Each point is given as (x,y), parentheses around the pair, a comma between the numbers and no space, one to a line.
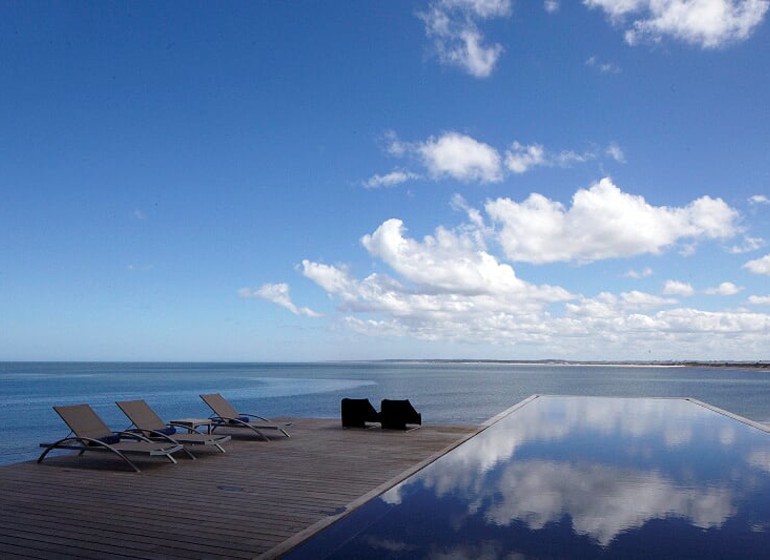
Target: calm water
(444,392)
(576,478)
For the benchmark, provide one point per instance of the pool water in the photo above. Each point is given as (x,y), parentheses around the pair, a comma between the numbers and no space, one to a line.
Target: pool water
(577,477)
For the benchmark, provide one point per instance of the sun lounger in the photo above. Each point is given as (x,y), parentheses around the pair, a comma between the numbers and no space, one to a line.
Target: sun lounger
(149,424)
(396,414)
(90,433)
(226,415)
(355,413)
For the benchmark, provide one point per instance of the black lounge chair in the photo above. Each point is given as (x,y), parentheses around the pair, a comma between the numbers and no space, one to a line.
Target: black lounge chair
(357,412)
(396,414)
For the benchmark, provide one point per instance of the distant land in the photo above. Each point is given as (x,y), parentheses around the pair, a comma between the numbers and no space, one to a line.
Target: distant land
(762,364)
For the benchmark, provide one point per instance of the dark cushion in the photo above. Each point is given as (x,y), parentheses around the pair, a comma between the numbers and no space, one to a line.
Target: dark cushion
(170,431)
(110,439)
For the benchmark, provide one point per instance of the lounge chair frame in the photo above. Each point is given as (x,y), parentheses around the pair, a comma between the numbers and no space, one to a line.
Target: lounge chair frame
(81,442)
(226,416)
(147,422)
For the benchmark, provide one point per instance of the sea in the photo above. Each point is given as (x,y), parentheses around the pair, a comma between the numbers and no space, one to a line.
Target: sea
(445,392)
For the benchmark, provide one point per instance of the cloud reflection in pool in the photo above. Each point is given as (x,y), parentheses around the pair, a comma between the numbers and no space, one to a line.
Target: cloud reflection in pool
(578,477)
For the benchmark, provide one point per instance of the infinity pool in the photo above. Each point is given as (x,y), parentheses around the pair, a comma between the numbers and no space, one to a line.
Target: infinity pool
(577,477)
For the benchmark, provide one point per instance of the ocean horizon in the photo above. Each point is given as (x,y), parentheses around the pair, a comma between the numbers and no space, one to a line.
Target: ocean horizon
(444,391)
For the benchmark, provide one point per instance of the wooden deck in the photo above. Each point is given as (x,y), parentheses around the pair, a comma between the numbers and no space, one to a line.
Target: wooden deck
(255,501)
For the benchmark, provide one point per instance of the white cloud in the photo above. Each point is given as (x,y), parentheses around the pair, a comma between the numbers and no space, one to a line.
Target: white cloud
(759,266)
(759,300)
(452,287)
(444,262)
(453,26)
(448,288)
(520,158)
(460,157)
(636,274)
(333,279)
(748,245)
(705,23)
(390,179)
(551,6)
(759,199)
(724,289)
(442,270)
(603,222)
(602,67)
(676,288)
(483,9)
(616,153)
(278,294)
(395,146)
(610,306)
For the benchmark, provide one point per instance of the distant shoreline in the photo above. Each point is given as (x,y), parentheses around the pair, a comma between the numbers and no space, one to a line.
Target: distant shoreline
(641,363)
(734,364)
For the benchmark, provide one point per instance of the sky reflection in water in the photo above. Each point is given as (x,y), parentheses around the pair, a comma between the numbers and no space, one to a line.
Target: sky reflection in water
(577,477)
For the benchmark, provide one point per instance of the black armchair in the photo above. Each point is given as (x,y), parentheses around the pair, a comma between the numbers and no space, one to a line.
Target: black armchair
(396,414)
(357,412)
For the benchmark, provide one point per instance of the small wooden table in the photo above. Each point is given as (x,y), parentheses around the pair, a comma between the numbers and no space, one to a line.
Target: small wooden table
(190,424)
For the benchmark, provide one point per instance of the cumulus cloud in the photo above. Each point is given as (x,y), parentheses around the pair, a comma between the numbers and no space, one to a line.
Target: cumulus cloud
(759,300)
(448,287)
(520,158)
(636,274)
(610,306)
(759,199)
(603,326)
(724,289)
(463,284)
(460,157)
(748,244)
(705,23)
(443,262)
(551,6)
(439,269)
(603,222)
(759,266)
(453,26)
(278,294)
(676,288)
(390,179)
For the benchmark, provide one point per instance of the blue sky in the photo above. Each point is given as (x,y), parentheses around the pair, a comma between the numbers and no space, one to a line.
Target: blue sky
(255,181)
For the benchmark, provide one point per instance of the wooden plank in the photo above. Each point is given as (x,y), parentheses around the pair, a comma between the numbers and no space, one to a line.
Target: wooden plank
(246,503)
